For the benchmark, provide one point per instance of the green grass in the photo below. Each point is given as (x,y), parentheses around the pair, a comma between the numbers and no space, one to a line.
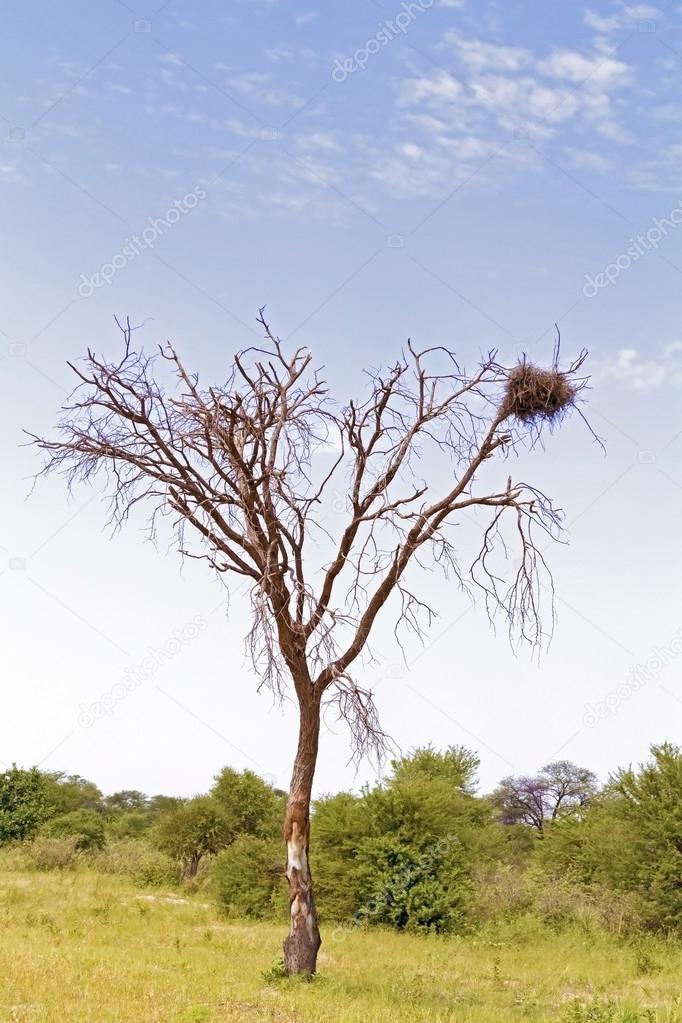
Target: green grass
(85,948)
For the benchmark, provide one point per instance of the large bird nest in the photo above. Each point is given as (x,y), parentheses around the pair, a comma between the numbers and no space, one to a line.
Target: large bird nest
(535,396)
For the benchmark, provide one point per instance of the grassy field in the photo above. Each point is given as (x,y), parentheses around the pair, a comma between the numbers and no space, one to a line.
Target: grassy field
(85,948)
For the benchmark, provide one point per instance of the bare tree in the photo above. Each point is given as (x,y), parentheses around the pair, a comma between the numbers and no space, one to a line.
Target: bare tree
(559,790)
(247,468)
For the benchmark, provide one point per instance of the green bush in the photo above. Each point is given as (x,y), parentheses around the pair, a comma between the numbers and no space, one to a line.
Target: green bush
(338,826)
(24,804)
(630,839)
(411,889)
(144,865)
(402,854)
(248,878)
(129,824)
(84,826)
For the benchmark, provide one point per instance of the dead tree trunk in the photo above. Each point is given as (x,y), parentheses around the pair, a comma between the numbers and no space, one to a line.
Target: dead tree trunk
(302,944)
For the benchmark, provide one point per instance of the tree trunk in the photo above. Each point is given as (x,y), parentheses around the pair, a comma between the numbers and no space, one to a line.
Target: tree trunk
(303,942)
(192,867)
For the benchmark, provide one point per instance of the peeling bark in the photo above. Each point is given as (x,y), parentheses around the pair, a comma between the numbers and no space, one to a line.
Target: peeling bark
(302,944)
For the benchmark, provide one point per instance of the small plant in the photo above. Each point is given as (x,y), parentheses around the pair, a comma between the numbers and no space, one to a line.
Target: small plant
(497,976)
(646,962)
(276,973)
(103,910)
(196,1014)
(604,1012)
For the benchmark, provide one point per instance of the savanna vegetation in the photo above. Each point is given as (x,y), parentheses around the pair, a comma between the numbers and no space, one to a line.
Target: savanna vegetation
(553,897)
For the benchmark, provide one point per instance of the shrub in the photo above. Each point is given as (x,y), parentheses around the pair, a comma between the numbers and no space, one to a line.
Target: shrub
(503,893)
(53,852)
(631,839)
(84,826)
(337,829)
(248,878)
(14,856)
(412,889)
(137,860)
(23,803)
(129,824)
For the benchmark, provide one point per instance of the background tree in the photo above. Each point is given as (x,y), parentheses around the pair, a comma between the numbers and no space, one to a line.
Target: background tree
(24,803)
(70,792)
(249,805)
(455,766)
(191,831)
(125,801)
(560,789)
(161,804)
(630,839)
(247,466)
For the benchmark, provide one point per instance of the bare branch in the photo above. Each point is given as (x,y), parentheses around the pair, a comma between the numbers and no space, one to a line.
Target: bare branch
(242,473)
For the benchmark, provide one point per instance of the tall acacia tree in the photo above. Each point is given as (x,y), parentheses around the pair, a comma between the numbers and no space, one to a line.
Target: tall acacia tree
(249,467)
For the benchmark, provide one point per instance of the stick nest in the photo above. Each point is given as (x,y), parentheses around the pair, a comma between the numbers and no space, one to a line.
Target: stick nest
(533,395)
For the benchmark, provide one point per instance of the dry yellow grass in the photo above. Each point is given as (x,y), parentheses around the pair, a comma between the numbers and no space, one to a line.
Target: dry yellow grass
(84,948)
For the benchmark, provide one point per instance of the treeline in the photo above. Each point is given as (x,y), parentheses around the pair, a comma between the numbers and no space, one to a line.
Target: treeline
(420,851)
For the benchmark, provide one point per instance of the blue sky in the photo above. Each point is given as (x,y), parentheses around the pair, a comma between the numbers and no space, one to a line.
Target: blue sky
(458,173)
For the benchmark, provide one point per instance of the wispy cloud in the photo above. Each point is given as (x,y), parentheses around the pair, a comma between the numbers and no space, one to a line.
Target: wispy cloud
(632,370)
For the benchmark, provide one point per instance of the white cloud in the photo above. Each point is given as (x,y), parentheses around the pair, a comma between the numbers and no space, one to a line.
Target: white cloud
(623,17)
(171,58)
(600,23)
(634,371)
(614,132)
(526,98)
(289,53)
(264,86)
(575,67)
(583,159)
(439,86)
(319,140)
(11,174)
(632,11)
(456,119)
(662,172)
(477,55)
